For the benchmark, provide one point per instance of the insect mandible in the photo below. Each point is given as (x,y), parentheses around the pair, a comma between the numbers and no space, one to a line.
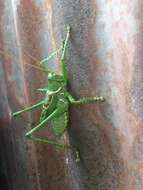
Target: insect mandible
(55,106)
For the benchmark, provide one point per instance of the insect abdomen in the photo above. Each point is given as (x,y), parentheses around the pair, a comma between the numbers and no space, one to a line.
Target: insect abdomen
(60,123)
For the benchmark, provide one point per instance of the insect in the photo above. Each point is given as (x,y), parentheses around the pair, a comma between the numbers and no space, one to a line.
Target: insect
(57,101)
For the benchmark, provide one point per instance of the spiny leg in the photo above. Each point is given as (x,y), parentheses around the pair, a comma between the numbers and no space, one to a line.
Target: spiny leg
(82,101)
(65,44)
(49,92)
(60,110)
(63,49)
(44,61)
(42,89)
(18,113)
(85,100)
(48,141)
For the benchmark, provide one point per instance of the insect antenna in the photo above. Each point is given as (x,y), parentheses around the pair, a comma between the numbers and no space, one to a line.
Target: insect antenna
(42,64)
(31,65)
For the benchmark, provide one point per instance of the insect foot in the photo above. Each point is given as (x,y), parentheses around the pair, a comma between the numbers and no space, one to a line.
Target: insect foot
(16,114)
(99,98)
(77,158)
(76,154)
(28,135)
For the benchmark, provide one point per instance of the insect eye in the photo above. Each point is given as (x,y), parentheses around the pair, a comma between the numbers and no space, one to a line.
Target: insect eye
(50,76)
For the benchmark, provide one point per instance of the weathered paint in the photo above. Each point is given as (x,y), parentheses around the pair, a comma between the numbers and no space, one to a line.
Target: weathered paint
(104,58)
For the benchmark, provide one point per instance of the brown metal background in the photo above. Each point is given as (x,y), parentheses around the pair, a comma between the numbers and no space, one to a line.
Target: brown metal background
(104,58)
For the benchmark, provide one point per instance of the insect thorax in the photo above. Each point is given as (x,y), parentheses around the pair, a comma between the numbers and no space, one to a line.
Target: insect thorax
(55,81)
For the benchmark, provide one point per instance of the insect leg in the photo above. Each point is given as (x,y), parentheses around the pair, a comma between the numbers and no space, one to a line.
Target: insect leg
(48,141)
(65,43)
(18,113)
(42,89)
(49,92)
(64,47)
(60,110)
(44,61)
(85,99)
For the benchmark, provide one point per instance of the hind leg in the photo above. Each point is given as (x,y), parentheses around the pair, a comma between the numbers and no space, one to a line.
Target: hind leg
(56,113)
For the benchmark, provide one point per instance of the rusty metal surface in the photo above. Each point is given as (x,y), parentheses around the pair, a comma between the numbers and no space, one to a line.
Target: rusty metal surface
(104,58)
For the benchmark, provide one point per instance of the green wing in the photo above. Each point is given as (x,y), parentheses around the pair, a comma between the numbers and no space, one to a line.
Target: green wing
(59,124)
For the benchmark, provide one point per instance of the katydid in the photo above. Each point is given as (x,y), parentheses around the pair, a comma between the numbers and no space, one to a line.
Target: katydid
(55,106)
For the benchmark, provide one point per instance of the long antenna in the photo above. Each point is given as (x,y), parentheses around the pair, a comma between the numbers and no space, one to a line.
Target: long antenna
(31,65)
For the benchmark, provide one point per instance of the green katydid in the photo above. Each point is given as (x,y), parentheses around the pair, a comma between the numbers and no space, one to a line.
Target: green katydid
(55,106)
